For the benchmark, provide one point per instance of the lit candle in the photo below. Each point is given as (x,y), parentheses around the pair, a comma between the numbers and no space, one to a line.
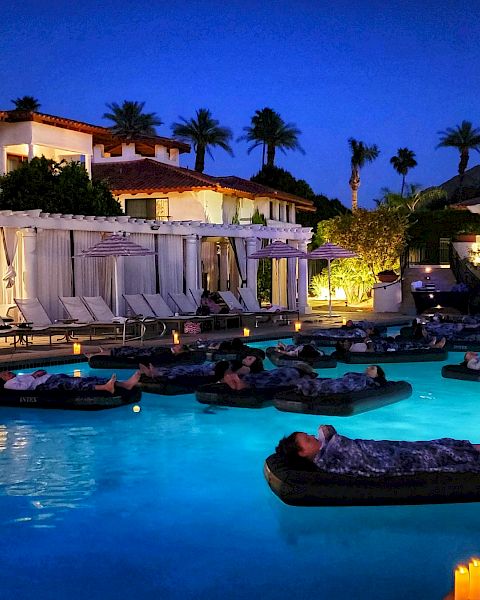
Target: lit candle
(246,332)
(77,348)
(77,373)
(344,321)
(474,572)
(462,583)
(176,337)
(136,409)
(298,326)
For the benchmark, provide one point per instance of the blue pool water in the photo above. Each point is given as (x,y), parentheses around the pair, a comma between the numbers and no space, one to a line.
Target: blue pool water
(171,503)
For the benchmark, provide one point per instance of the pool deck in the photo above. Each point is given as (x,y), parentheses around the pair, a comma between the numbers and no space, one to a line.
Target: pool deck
(41,354)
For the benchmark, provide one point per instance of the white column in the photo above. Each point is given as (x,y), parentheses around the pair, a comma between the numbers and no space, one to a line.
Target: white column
(30,275)
(191,262)
(223,265)
(302,280)
(31,151)
(252,265)
(88,164)
(3,160)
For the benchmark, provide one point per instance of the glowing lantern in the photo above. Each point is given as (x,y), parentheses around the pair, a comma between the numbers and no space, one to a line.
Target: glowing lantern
(298,326)
(136,409)
(176,337)
(77,348)
(462,583)
(77,373)
(474,572)
(246,332)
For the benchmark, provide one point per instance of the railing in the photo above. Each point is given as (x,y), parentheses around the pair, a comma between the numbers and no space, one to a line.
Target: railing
(430,253)
(464,271)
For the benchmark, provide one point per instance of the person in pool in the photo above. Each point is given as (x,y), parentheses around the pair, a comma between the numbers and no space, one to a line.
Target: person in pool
(332,452)
(471,360)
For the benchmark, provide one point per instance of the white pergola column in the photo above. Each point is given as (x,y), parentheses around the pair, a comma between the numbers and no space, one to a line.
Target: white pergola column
(302,280)
(223,275)
(119,274)
(3,160)
(252,265)
(31,151)
(30,273)
(88,164)
(191,262)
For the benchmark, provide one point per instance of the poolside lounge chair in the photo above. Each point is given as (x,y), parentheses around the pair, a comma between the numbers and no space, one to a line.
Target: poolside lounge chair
(141,308)
(197,296)
(103,316)
(235,307)
(34,313)
(186,306)
(252,304)
(164,312)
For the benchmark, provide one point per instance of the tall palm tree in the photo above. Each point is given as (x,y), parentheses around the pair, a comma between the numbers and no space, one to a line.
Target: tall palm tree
(28,103)
(464,137)
(402,163)
(129,121)
(270,131)
(204,132)
(361,154)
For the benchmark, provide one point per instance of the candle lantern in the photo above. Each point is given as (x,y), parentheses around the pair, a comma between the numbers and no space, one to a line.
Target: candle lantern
(298,326)
(474,573)
(77,348)
(77,373)
(462,583)
(176,337)
(246,332)
(344,321)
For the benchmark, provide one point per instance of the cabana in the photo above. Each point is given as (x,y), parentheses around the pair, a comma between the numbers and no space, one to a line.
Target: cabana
(37,258)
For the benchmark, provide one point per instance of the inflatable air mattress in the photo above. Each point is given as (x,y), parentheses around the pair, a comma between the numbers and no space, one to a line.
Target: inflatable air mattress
(105,361)
(220,394)
(283,360)
(460,372)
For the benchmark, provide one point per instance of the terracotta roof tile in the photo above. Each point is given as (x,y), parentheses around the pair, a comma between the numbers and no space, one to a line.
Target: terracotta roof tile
(149,176)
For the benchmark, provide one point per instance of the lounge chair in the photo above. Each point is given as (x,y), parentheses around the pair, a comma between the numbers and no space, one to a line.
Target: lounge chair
(197,296)
(162,311)
(234,305)
(103,316)
(141,308)
(40,323)
(186,307)
(252,304)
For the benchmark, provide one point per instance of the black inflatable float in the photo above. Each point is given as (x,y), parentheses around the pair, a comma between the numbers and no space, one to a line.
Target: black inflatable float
(186,384)
(70,399)
(344,404)
(283,360)
(399,356)
(217,355)
(323,340)
(220,394)
(312,487)
(105,361)
(460,372)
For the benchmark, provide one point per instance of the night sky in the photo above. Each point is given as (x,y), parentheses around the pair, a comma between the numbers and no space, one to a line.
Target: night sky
(391,73)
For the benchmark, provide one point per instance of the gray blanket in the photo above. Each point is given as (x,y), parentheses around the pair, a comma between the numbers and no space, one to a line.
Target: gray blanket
(350,382)
(345,456)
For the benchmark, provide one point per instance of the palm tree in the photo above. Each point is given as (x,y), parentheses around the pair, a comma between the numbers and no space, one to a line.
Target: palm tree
(402,163)
(361,154)
(269,130)
(415,198)
(129,120)
(204,132)
(28,103)
(464,137)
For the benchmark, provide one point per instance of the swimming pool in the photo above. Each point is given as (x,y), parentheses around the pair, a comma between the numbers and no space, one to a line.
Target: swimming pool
(171,503)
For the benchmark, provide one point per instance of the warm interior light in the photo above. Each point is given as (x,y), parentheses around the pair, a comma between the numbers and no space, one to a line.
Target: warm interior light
(77,348)
(298,326)
(176,337)
(246,332)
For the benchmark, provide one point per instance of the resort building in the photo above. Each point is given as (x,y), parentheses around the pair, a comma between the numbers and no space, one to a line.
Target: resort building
(201,227)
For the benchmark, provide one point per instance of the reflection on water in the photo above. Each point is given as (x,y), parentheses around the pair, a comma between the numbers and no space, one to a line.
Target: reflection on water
(44,467)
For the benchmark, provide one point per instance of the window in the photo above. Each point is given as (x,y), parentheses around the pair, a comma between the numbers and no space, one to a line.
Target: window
(14,161)
(271,210)
(287,219)
(147,208)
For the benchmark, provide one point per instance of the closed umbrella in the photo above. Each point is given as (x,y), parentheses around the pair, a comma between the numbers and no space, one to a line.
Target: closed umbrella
(116,246)
(278,250)
(330,252)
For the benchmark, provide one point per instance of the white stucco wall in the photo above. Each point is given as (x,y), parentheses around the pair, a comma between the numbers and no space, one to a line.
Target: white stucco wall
(162,154)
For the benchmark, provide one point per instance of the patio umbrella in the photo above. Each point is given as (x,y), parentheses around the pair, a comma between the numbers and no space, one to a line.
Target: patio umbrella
(278,250)
(116,246)
(330,252)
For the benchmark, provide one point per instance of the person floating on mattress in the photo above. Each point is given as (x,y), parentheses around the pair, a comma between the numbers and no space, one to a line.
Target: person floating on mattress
(302,351)
(167,354)
(335,453)
(41,380)
(471,360)
(373,377)
(283,376)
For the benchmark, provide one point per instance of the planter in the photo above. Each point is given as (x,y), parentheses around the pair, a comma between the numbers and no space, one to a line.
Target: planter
(387,276)
(466,237)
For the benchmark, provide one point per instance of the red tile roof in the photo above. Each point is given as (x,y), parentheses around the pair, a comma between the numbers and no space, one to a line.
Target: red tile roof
(101,135)
(150,176)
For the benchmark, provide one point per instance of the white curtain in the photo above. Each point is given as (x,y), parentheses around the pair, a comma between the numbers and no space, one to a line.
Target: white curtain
(140,270)
(54,267)
(93,276)
(170,266)
(15,253)
(210,264)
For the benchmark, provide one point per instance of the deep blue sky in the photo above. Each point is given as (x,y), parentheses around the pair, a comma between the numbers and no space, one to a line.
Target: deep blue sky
(392,73)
